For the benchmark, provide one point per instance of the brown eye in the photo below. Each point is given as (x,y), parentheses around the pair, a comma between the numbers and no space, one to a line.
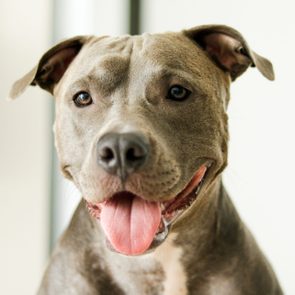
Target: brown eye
(82,99)
(178,93)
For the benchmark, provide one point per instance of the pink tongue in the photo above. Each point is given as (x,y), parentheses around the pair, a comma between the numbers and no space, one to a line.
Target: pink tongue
(130,223)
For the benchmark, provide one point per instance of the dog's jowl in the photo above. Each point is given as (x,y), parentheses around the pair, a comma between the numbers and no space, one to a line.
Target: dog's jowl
(141,129)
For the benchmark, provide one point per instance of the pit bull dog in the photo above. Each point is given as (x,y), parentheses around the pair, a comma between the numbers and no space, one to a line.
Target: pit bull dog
(141,129)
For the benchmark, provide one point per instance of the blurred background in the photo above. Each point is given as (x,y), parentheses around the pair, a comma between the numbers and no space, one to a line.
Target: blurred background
(36,203)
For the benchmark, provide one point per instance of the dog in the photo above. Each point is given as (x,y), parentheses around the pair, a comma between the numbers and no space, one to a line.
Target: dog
(141,129)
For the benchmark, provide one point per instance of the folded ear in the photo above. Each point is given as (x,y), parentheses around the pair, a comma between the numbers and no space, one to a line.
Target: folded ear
(229,50)
(51,66)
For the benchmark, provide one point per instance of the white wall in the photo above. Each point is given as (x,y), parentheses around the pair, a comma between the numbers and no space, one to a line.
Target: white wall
(260,175)
(24,149)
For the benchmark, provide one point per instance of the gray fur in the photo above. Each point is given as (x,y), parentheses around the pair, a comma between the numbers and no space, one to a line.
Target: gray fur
(128,77)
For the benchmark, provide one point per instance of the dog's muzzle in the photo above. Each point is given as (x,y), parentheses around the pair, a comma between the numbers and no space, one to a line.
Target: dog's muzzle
(134,225)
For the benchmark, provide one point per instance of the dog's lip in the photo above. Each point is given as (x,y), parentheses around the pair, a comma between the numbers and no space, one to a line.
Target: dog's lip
(188,194)
(171,209)
(181,200)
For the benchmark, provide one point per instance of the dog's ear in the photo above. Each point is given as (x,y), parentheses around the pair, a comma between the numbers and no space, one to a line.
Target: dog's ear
(51,66)
(229,50)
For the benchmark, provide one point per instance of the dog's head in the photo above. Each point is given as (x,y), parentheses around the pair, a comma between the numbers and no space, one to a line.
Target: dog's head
(141,124)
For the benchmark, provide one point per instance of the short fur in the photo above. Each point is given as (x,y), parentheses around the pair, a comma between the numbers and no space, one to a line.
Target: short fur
(128,78)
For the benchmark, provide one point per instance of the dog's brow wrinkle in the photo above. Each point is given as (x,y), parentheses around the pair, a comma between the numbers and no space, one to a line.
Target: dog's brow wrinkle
(173,73)
(115,64)
(109,73)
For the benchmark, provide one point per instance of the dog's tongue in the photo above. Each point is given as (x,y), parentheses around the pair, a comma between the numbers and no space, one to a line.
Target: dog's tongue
(130,223)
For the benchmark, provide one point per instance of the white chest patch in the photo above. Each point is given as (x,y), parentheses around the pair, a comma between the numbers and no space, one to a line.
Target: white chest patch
(169,255)
(223,286)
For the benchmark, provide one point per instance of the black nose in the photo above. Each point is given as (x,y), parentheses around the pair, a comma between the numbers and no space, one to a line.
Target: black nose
(122,154)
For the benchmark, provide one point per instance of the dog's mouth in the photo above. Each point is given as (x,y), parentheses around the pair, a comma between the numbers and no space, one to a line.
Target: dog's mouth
(134,225)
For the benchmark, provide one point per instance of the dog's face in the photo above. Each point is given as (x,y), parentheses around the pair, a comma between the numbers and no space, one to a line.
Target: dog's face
(131,81)
(141,125)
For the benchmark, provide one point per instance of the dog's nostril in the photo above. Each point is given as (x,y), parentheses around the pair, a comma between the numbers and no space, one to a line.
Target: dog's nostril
(134,154)
(106,154)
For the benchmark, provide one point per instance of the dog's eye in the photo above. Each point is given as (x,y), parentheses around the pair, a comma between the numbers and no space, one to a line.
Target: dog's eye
(177,92)
(82,99)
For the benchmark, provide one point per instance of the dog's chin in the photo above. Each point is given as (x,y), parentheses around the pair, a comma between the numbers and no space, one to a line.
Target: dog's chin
(170,211)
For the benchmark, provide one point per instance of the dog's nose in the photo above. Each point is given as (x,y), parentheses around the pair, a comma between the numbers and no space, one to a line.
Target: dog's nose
(122,154)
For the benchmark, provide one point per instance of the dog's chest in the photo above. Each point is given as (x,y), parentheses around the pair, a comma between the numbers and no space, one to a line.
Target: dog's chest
(175,278)
(158,273)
